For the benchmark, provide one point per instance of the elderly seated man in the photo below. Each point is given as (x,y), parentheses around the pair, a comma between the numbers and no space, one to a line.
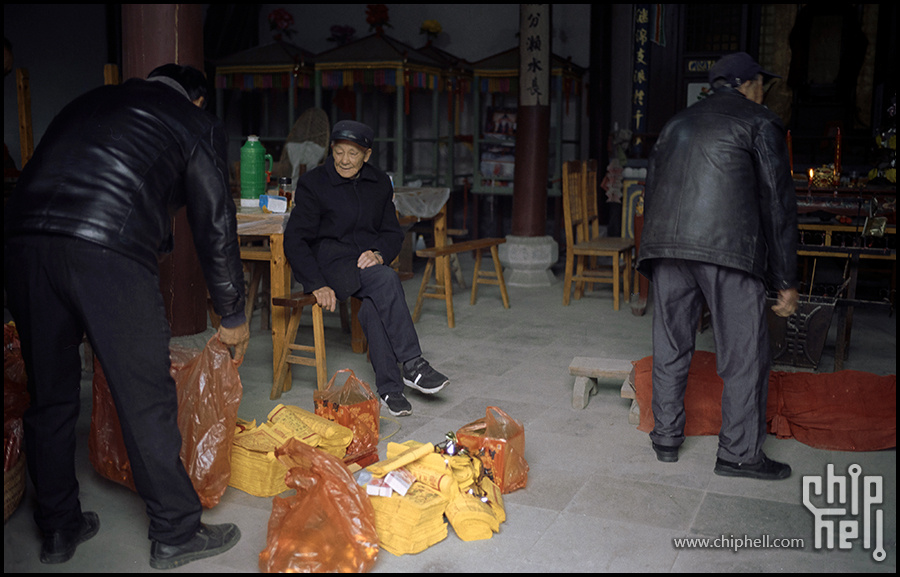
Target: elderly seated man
(341,236)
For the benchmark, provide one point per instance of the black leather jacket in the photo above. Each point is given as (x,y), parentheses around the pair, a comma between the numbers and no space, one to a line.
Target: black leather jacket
(115,165)
(719,190)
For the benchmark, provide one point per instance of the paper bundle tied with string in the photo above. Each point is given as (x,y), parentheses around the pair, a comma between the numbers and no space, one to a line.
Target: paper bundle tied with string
(499,441)
(411,523)
(254,468)
(352,403)
(446,484)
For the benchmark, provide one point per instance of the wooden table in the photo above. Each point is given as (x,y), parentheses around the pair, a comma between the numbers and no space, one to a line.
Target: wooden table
(852,256)
(253,223)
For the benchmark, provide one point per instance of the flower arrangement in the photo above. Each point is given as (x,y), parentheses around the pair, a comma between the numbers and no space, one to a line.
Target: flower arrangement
(281,22)
(377,17)
(431,28)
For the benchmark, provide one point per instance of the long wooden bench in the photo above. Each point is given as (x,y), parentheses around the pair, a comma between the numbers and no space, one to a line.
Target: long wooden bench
(439,259)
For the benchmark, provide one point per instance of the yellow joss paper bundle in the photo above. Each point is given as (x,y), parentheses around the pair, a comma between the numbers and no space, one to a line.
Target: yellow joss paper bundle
(495,498)
(313,430)
(412,523)
(401,459)
(471,518)
(254,468)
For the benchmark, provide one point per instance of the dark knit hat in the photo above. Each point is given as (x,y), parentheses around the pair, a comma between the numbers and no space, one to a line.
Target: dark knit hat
(737,68)
(355,132)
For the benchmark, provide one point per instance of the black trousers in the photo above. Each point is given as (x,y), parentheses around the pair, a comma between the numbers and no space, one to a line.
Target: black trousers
(736,301)
(58,289)
(385,319)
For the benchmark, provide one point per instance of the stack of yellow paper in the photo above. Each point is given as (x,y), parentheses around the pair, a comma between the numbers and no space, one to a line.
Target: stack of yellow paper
(412,523)
(254,468)
(314,430)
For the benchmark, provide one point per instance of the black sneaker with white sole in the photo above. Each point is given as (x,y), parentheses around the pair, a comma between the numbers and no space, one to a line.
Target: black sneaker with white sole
(397,404)
(420,375)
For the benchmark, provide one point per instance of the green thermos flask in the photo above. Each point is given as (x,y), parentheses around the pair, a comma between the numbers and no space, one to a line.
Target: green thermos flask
(254,175)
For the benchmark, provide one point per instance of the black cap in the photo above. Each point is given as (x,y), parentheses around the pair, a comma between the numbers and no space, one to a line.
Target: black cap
(737,68)
(355,132)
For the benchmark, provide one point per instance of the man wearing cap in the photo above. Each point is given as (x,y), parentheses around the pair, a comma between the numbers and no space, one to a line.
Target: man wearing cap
(342,235)
(720,222)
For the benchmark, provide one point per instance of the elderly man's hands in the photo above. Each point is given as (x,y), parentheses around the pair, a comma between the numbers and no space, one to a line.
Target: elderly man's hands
(326,298)
(369,258)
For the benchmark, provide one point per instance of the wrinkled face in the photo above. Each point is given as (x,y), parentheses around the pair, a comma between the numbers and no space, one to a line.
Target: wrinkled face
(349,158)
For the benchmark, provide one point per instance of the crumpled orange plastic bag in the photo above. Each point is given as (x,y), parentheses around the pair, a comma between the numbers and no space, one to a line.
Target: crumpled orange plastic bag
(353,405)
(15,397)
(499,441)
(327,526)
(209,393)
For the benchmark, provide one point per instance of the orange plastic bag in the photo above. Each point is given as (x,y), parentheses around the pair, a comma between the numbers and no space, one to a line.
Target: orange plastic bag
(327,526)
(15,397)
(209,393)
(499,441)
(356,407)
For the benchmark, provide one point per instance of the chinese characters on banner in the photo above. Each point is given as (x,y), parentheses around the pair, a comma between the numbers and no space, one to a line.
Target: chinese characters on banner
(641,71)
(534,49)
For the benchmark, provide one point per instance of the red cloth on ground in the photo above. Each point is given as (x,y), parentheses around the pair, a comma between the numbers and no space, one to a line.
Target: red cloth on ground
(844,411)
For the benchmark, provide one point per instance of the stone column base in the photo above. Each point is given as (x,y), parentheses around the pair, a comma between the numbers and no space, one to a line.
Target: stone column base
(527,260)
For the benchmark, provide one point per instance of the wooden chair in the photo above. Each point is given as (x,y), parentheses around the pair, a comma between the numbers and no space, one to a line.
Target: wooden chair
(580,246)
(439,259)
(310,355)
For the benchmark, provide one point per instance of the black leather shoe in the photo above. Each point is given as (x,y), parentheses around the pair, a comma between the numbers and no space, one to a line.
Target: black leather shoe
(208,541)
(766,469)
(666,454)
(59,546)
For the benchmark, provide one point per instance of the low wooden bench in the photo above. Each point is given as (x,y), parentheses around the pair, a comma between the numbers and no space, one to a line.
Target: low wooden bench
(312,355)
(588,371)
(440,257)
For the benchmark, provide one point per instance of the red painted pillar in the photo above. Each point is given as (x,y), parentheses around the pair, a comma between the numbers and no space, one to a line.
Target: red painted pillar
(529,215)
(152,35)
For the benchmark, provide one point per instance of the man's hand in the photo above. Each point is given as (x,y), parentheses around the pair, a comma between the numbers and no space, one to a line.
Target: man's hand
(787,302)
(237,337)
(326,298)
(369,258)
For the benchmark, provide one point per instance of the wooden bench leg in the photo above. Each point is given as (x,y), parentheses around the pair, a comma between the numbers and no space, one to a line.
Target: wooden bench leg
(498,269)
(567,283)
(318,318)
(615,271)
(282,378)
(448,290)
(489,278)
(429,266)
(475,277)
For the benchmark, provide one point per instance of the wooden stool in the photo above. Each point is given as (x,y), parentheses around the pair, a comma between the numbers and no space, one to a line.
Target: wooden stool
(296,302)
(445,291)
